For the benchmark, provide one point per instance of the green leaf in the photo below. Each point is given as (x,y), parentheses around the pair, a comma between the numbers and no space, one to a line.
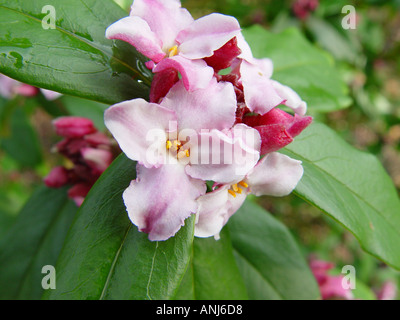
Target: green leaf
(268,257)
(351,187)
(104,255)
(212,273)
(21,141)
(301,66)
(6,221)
(34,240)
(74,58)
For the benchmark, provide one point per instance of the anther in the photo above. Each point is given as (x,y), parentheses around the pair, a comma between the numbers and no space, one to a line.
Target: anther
(173,51)
(232,193)
(243,184)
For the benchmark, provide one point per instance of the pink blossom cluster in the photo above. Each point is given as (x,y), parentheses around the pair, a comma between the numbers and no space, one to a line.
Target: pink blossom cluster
(212,116)
(88,152)
(331,286)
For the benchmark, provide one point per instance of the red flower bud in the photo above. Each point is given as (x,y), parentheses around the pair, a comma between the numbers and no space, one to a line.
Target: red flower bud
(73,127)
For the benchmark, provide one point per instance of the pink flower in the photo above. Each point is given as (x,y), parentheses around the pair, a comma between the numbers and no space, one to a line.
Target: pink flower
(274,175)
(189,95)
(89,151)
(175,143)
(258,97)
(253,80)
(168,35)
(330,286)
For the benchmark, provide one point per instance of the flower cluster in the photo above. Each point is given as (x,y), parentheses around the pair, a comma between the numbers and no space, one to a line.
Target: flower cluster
(303,8)
(212,116)
(335,287)
(330,286)
(88,152)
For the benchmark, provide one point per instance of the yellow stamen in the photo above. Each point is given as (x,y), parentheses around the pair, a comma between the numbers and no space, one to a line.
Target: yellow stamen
(232,193)
(235,187)
(68,164)
(239,190)
(173,51)
(169,144)
(187,153)
(243,184)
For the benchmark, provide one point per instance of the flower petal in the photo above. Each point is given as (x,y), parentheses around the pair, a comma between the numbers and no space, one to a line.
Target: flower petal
(140,128)
(206,35)
(160,199)
(215,209)
(162,82)
(50,95)
(291,98)
(224,56)
(224,156)
(277,128)
(273,137)
(137,32)
(265,65)
(212,213)
(275,175)
(245,49)
(196,74)
(259,92)
(195,110)
(166,18)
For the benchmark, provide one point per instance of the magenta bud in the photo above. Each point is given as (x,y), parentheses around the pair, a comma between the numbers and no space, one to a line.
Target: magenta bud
(73,127)
(57,177)
(277,128)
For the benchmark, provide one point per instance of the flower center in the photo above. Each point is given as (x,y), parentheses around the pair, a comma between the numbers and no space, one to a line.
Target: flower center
(177,149)
(235,189)
(173,51)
